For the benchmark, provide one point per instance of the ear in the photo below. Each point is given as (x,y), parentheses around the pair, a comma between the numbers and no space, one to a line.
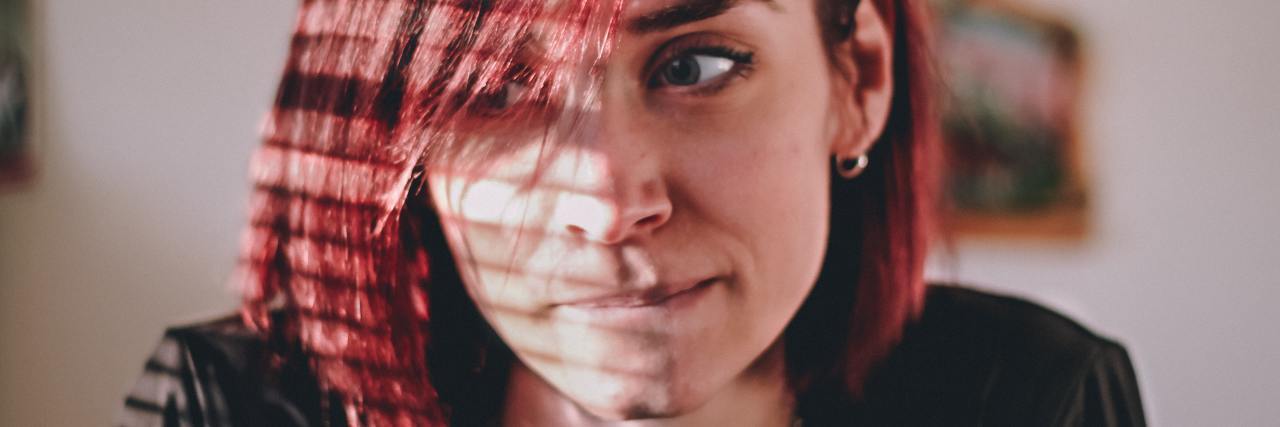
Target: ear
(862,92)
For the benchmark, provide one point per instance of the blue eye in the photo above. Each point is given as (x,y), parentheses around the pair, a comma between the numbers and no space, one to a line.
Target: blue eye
(694,69)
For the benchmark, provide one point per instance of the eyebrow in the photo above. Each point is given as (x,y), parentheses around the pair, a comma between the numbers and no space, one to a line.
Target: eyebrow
(682,13)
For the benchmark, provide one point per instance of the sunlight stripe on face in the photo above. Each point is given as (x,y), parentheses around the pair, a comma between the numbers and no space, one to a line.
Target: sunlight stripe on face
(502,203)
(488,201)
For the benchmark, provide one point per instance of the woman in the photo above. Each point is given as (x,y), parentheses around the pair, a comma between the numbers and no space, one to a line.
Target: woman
(648,212)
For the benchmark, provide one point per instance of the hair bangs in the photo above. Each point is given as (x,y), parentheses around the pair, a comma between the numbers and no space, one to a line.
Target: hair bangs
(503,76)
(331,269)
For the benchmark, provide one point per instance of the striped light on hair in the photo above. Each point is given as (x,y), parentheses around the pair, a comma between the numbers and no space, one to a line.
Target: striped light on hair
(372,90)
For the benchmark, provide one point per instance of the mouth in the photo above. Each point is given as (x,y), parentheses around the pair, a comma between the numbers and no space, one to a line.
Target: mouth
(653,297)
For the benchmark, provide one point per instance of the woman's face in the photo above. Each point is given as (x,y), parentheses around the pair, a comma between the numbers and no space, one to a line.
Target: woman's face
(647,261)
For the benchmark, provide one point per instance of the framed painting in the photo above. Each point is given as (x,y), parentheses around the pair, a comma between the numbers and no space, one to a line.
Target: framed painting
(1011,121)
(15,163)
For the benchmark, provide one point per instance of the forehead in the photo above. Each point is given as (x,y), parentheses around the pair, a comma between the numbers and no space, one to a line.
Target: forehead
(652,15)
(641,15)
(635,7)
(635,16)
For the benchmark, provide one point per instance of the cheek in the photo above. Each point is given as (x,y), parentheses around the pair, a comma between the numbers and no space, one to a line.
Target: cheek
(475,215)
(761,179)
(763,172)
(778,208)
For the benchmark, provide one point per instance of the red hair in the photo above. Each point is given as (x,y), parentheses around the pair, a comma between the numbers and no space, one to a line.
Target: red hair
(872,279)
(344,266)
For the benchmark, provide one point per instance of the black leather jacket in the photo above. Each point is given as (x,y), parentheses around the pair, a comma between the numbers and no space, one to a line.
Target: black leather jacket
(971,359)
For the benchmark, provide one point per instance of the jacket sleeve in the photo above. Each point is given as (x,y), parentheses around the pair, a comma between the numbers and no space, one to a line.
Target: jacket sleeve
(1107,394)
(212,374)
(165,394)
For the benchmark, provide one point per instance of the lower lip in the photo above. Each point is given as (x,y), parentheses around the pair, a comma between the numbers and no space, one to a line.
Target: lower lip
(679,302)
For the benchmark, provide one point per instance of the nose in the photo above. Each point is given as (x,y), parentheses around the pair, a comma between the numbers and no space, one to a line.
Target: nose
(613,217)
(616,189)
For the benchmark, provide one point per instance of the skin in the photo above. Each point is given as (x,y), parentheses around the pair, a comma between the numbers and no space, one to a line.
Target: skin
(643,274)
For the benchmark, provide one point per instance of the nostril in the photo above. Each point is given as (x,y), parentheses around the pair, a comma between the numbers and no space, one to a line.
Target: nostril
(576,230)
(648,221)
(617,225)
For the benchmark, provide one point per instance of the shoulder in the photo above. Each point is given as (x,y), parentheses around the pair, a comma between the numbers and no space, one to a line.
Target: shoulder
(224,339)
(1011,327)
(215,373)
(994,359)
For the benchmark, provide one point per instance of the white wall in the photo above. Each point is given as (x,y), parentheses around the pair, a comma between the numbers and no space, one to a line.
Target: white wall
(1183,134)
(148,112)
(149,109)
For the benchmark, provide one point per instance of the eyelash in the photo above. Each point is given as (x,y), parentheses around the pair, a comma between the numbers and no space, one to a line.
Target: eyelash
(744,63)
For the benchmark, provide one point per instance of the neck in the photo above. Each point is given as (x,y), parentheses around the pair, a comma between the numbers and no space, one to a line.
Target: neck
(759,396)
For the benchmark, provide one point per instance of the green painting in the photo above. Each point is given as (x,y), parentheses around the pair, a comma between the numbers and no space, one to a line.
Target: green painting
(14,102)
(1013,76)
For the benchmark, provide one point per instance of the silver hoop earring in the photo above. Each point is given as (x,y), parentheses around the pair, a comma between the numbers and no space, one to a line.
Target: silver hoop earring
(850,168)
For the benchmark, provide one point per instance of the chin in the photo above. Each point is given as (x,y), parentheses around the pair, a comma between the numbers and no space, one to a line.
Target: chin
(641,407)
(619,399)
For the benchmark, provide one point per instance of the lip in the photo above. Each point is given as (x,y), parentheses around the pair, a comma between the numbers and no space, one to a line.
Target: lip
(656,296)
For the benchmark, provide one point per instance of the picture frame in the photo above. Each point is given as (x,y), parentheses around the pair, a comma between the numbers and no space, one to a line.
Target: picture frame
(1013,80)
(15,112)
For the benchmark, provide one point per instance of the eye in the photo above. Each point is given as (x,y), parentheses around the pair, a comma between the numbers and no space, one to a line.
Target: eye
(699,65)
(497,101)
(510,94)
(694,69)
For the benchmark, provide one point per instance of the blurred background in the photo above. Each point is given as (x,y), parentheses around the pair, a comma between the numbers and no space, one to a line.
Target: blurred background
(125,210)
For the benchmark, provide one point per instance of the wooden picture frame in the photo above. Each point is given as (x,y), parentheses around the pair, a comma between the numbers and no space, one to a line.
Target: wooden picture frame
(15,112)
(1013,78)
